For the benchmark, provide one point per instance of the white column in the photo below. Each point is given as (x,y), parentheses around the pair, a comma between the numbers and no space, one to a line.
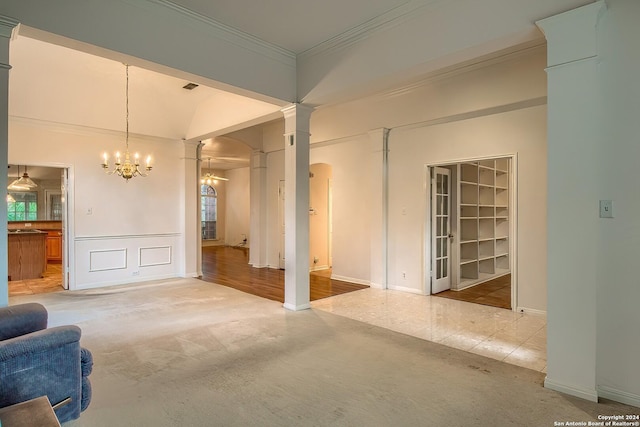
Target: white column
(192,248)
(6,28)
(574,142)
(379,207)
(258,203)
(296,207)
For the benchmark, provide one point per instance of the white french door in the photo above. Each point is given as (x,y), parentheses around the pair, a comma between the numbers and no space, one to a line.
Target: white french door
(440,230)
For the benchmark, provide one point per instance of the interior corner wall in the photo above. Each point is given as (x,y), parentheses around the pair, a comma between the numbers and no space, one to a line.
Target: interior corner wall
(122,232)
(237,210)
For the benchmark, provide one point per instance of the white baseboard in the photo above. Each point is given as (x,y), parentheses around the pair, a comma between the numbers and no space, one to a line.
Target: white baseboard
(259,265)
(296,307)
(319,268)
(590,395)
(408,290)
(350,280)
(619,396)
(531,311)
(128,281)
(375,285)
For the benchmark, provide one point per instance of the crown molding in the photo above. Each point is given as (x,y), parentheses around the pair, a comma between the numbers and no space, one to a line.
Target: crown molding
(232,35)
(84,130)
(380,23)
(6,26)
(448,72)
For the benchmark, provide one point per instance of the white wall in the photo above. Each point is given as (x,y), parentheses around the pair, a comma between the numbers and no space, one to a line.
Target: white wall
(493,110)
(351,206)
(520,132)
(121,231)
(618,293)
(237,208)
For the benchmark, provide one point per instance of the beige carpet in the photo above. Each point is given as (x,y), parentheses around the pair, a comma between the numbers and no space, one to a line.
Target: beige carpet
(190,353)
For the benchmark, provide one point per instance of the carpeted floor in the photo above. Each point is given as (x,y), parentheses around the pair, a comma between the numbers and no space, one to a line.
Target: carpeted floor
(190,353)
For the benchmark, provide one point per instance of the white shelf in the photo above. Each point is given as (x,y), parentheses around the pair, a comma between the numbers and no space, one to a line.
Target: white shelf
(483,220)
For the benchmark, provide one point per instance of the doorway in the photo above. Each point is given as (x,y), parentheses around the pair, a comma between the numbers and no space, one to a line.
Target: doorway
(472,236)
(320,220)
(320,176)
(37,224)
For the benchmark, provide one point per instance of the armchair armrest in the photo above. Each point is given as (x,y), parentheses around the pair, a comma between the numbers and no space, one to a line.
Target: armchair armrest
(39,342)
(22,319)
(45,362)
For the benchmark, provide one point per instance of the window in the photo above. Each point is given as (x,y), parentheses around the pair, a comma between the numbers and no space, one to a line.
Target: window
(209,214)
(25,207)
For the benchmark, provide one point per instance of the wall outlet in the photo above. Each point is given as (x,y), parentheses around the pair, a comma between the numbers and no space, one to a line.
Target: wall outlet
(606,209)
(404,275)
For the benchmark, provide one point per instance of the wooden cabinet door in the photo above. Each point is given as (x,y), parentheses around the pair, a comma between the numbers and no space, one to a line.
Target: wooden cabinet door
(54,246)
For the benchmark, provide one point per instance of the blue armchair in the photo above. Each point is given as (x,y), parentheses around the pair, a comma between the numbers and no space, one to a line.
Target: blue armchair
(39,361)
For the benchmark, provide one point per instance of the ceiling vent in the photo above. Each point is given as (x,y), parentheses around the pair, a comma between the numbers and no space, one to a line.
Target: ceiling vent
(190,86)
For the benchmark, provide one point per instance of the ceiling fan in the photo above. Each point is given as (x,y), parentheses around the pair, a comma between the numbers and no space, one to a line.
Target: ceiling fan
(210,178)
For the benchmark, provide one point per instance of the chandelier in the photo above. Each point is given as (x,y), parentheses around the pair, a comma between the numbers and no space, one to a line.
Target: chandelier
(24,183)
(210,178)
(127,168)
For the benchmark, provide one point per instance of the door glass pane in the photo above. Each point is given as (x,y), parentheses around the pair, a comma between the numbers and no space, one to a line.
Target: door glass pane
(439,205)
(438,227)
(445,184)
(439,183)
(445,205)
(438,248)
(444,268)
(444,247)
(438,269)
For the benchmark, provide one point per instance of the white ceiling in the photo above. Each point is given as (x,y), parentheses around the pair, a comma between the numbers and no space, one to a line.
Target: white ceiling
(52,83)
(49,82)
(295,25)
(59,85)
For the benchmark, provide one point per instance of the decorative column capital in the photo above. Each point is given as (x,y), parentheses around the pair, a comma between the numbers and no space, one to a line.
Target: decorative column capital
(297,118)
(258,159)
(572,36)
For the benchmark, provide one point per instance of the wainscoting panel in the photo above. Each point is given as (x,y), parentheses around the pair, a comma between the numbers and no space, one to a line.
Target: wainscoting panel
(115,260)
(154,255)
(107,259)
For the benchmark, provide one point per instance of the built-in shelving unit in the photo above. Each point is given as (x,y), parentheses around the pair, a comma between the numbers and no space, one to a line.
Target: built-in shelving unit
(483,220)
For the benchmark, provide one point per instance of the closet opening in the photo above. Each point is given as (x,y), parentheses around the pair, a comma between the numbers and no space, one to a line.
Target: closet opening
(472,233)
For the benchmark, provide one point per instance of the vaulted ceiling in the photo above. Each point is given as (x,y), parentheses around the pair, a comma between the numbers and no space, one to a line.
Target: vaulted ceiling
(336,49)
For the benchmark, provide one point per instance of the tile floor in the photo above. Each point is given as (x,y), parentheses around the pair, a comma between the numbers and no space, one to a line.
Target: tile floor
(516,338)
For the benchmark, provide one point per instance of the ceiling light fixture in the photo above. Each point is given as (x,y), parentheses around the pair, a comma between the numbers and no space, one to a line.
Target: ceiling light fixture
(210,178)
(126,169)
(24,183)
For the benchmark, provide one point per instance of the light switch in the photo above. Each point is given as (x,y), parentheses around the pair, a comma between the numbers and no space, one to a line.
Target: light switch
(606,209)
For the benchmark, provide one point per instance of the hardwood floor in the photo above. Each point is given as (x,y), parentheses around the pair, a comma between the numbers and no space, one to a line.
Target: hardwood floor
(496,293)
(229,266)
(51,282)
